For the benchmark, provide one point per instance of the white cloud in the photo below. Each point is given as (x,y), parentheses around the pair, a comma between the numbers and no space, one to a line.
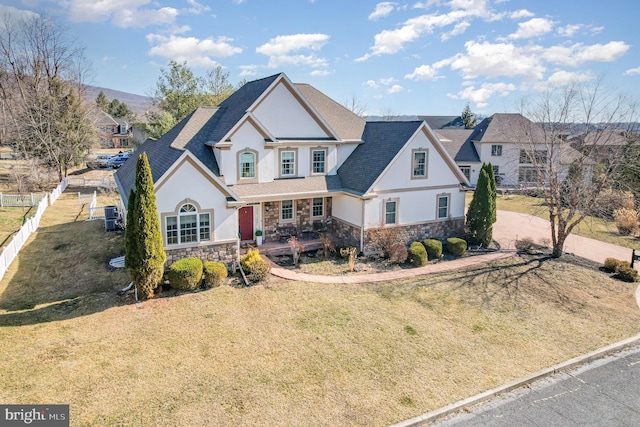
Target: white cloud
(320,73)
(382,9)
(459,28)
(282,50)
(248,70)
(563,78)
(481,95)
(632,71)
(428,72)
(578,53)
(520,14)
(371,84)
(197,52)
(532,28)
(395,89)
(129,18)
(569,30)
(197,8)
(500,59)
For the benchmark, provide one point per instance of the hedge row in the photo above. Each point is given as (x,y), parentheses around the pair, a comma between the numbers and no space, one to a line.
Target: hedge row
(187,274)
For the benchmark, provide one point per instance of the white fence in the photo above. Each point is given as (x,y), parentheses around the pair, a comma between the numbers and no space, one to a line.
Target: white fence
(18,200)
(77,181)
(10,251)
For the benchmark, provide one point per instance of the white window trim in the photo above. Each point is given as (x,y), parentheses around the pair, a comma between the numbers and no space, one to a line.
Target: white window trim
(498,148)
(426,163)
(326,154)
(438,197)
(397,212)
(323,208)
(255,166)
(198,212)
(293,211)
(295,162)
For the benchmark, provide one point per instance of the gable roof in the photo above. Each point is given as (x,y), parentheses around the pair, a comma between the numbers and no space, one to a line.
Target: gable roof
(346,124)
(382,142)
(190,134)
(514,128)
(458,144)
(443,122)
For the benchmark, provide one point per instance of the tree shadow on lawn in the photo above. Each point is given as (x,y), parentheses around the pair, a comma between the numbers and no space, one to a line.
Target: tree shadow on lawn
(515,279)
(63,272)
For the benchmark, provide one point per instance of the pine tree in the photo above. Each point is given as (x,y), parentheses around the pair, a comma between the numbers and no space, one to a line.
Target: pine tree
(479,225)
(468,118)
(145,255)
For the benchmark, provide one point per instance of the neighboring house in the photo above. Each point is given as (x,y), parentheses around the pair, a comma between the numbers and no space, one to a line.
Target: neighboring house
(285,159)
(458,143)
(112,133)
(605,147)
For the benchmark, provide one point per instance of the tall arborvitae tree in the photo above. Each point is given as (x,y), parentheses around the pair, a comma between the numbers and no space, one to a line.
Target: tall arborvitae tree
(144,254)
(479,227)
(488,167)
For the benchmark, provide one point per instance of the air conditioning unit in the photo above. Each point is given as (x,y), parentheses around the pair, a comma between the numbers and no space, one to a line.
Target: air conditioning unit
(110,224)
(111,212)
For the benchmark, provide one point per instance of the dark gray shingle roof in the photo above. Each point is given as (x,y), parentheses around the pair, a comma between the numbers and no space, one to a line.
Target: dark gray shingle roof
(443,122)
(382,141)
(459,145)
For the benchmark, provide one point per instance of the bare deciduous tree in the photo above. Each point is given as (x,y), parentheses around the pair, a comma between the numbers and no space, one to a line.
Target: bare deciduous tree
(42,71)
(559,149)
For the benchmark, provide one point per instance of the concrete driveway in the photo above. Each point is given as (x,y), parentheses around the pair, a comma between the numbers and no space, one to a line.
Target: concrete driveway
(511,226)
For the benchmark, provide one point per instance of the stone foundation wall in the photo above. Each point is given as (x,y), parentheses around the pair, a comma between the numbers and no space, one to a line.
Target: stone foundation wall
(225,253)
(418,232)
(345,234)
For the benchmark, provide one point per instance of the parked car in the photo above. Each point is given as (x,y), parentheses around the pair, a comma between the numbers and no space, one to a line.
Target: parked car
(118,160)
(99,161)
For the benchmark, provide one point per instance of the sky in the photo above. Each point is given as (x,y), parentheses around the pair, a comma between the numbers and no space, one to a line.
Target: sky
(421,57)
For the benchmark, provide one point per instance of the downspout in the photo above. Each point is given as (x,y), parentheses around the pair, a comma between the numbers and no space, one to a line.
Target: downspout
(362,228)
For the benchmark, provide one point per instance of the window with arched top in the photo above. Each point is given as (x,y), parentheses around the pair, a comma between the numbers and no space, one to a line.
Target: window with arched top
(188,226)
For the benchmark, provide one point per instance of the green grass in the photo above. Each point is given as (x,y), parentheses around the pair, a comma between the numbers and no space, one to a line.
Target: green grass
(591,227)
(287,353)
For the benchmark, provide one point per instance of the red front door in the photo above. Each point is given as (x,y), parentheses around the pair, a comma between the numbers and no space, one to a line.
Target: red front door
(246,223)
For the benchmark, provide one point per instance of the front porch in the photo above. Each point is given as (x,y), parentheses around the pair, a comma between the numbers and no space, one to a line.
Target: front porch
(276,248)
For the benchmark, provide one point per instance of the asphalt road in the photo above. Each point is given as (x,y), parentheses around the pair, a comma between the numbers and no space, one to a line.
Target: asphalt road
(603,393)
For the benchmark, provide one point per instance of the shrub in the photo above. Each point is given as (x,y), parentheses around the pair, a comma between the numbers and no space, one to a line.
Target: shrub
(398,253)
(383,238)
(418,254)
(611,200)
(626,220)
(525,244)
(612,264)
(627,274)
(250,257)
(433,247)
(186,274)
(254,266)
(258,271)
(456,246)
(214,274)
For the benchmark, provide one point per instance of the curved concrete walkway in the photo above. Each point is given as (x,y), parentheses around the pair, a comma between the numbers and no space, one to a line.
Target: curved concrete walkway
(389,275)
(510,226)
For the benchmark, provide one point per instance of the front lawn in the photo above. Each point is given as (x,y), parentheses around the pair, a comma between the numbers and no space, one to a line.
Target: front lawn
(289,353)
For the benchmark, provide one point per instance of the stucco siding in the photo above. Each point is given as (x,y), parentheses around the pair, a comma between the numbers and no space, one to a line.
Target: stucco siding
(400,173)
(187,183)
(348,209)
(285,117)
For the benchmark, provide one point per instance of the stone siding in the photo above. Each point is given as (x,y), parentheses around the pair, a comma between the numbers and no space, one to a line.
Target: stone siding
(274,230)
(418,232)
(345,234)
(225,253)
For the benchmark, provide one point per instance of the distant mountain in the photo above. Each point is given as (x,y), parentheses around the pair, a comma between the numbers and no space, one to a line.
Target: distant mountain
(137,103)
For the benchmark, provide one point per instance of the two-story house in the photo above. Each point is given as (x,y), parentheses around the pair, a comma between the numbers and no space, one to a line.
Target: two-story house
(112,133)
(285,159)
